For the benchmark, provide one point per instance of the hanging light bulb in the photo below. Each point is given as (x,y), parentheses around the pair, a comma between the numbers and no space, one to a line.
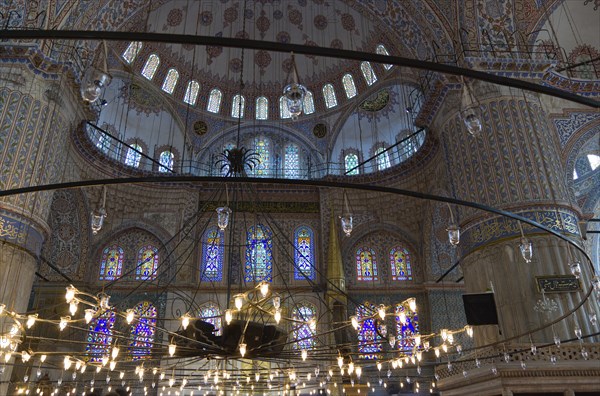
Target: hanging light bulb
(25,356)
(185,321)
(453,234)
(242,349)
(402,317)
(444,334)
(223,213)
(115,352)
(379,366)
(358,371)
(277,316)
(381,311)
(526,249)
(104,301)
(172,348)
(294,93)
(228,316)
(575,268)
(112,365)
(469,330)
(89,315)
(31,320)
(417,339)
(392,341)
(73,305)
(239,301)
(264,288)
(92,83)
(350,368)
(129,316)
(340,361)
(304,355)
(412,304)
(470,114)
(70,294)
(43,358)
(64,320)
(346,224)
(97,220)
(354,321)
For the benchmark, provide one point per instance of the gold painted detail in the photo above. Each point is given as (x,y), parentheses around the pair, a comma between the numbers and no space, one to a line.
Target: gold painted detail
(271,207)
(12,230)
(376,102)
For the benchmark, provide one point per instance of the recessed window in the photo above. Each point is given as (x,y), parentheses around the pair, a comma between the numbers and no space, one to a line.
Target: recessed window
(237,106)
(382,158)
(349,86)
(381,50)
(284,111)
(368,73)
(262,108)
(329,96)
(214,101)
(150,67)
(191,93)
(166,161)
(134,155)
(170,81)
(351,164)
(131,51)
(291,165)
(309,103)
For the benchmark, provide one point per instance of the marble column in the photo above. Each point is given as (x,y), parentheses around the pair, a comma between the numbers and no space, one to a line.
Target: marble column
(513,164)
(36,117)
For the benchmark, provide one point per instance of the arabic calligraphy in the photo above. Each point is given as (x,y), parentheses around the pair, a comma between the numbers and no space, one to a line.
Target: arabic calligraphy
(558,284)
(12,230)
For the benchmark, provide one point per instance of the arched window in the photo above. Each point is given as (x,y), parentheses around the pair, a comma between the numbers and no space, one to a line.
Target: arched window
(262,108)
(237,106)
(381,50)
(284,112)
(212,255)
(368,73)
(291,164)
(134,155)
(142,330)
(262,149)
(351,164)
(212,314)
(369,342)
(405,331)
(112,263)
(383,159)
(309,103)
(349,86)
(166,161)
(366,265)
(259,262)
(400,264)
(150,67)
(594,161)
(100,336)
(131,51)
(304,257)
(191,93)
(170,81)
(103,143)
(575,175)
(214,101)
(147,263)
(304,327)
(329,96)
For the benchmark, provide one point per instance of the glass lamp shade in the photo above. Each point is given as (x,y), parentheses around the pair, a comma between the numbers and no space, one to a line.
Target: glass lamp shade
(453,234)
(97,220)
(575,268)
(294,94)
(526,250)
(92,83)
(472,119)
(223,217)
(346,224)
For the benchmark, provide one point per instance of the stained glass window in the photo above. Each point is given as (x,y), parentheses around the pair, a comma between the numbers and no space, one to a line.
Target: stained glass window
(237,106)
(147,264)
(142,330)
(131,51)
(309,103)
(262,149)
(214,101)
(383,159)
(366,265)
(351,164)
(103,143)
(349,86)
(191,93)
(284,111)
(112,263)
(212,314)
(304,328)
(369,342)
(368,73)
(133,157)
(166,161)
(304,254)
(406,331)
(329,96)
(259,265)
(150,67)
(100,336)
(262,108)
(170,81)
(212,255)
(400,263)
(291,167)
(381,50)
